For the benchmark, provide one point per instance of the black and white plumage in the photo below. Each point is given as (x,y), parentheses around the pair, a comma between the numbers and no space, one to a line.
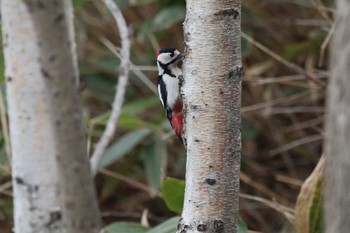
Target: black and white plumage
(169,86)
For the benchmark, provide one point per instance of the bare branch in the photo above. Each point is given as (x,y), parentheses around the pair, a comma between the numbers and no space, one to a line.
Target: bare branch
(121,87)
(280,59)
(287,212)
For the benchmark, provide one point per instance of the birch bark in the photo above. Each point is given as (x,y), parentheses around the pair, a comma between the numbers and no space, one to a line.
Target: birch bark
(212,98)
(53,189)
(337,146)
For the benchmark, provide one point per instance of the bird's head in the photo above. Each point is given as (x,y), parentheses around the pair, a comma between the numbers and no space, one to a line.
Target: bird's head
(168,56)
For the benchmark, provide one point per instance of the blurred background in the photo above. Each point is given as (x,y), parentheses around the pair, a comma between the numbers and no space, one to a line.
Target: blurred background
(282,109)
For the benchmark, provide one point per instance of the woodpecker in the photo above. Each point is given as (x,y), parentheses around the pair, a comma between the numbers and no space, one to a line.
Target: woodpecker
(169,75)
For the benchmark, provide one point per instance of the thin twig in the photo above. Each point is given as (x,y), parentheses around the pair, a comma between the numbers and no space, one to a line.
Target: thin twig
(289,180)
(121,87)
(296,143)
(261,188)
(134,183)
(281,79)
(133,67)
(325,43)
(271,103)
(304,124)
(321,9)
(280,59)
(296,109)
(287,212)
(4,187)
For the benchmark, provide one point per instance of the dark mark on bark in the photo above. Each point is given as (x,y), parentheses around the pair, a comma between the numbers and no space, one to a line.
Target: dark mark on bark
(54,217)
(9,78)
(201,227)
(210,181)
(218,226)
(56,94)
(237,72)
(195,107)
(196,140)
(208,148)
(59,18)
(41,5)
(52,58)
(58,122)
(19,180)
(45,73)
(228,12)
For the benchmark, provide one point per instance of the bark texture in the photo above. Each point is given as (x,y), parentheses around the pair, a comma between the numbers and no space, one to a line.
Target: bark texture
(212,99)
(337,146)
(53,189)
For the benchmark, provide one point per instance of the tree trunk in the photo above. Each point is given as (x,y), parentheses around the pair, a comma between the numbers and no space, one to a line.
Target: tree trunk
(212,99)
(337,143)
(53,189)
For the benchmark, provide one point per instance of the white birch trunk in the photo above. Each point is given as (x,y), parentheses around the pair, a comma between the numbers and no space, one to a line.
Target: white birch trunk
(337,143)
(53,189)
(212,98)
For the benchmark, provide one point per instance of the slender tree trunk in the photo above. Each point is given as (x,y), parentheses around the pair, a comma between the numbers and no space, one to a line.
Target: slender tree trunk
(212,99)
(53,189)
(337,143)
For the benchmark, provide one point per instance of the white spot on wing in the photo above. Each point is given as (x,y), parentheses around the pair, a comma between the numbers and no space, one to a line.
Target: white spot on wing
(160,95)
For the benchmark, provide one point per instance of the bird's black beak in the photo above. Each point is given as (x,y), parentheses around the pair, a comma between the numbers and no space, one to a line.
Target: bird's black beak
(179,57)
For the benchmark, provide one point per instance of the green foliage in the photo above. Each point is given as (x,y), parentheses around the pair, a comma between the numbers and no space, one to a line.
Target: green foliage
(168,226)
(125,227)
(316,210)
(129,3)
(245,46)
(154,156)
(248,130)
(173,194)
(123,146)
(241,226)
(167,17)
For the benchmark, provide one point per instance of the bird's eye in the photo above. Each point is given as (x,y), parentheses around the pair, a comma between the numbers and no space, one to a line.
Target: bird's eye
(172,55)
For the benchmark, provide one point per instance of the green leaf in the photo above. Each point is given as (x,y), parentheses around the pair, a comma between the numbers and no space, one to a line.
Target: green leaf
(173,191)
(248,130)
(125,227)
(128,121)
(245,46)
(316,210)
(126,3)
(153,161)
(168,17)
(123,146)
(139,106)
(308,208)
(241,226)
(78,3)
(168,226)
